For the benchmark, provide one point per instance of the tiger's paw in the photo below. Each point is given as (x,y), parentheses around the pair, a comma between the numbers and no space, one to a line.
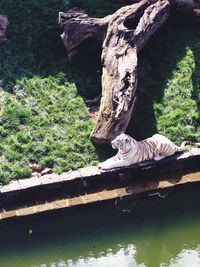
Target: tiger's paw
(111,163)
(159,157)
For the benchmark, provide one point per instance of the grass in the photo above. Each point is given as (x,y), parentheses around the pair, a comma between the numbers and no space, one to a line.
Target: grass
(43,116)
(178,116)
(46,122)
(170,81)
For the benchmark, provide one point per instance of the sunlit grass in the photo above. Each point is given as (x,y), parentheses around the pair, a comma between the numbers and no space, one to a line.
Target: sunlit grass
(170,103)
(44,122)
(178,116)
(43,116)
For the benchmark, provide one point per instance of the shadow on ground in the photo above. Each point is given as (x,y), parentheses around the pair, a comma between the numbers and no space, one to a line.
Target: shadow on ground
(157,62)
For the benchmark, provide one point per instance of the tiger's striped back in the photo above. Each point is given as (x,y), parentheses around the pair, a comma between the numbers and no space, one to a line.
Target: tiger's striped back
(155,146)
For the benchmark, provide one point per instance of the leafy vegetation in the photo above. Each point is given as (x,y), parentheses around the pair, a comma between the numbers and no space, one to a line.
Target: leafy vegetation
(43,116)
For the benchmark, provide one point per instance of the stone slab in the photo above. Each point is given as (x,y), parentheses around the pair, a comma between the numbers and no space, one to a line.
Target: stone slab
(121,192)
(43,207)
(90,171)
(49,179)
(164,184)
(195,151)
(107,194)
(8,214)
(26,211)
(75,201)
(71,175)
(59,204)
(195,176)
(184,155)
(90,198)
(29,182)
(11,187)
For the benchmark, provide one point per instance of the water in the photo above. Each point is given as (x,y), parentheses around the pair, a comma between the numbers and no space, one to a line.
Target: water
(161,232)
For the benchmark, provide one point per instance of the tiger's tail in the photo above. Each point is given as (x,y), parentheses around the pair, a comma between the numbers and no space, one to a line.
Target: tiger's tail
(183,148)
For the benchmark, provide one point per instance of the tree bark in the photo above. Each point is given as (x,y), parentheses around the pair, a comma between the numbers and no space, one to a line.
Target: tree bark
(122,35)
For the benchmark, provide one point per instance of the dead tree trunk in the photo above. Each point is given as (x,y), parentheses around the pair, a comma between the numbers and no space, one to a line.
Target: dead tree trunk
(122,36)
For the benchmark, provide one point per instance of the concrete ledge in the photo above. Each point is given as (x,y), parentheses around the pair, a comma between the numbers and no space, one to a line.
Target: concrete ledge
(81,185)
(100,196)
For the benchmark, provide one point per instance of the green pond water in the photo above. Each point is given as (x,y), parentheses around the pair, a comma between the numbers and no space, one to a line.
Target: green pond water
(144,232)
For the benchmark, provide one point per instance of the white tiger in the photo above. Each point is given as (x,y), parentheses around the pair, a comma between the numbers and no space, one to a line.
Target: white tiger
(131,151)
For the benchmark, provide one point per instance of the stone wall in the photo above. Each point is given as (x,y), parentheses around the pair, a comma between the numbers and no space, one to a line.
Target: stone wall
(91,180)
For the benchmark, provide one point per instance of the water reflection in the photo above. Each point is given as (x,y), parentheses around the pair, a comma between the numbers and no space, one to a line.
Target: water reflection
(187,258)
(158,233)
(125,257)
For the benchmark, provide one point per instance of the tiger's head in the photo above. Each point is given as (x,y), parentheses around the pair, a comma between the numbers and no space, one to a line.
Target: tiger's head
(123,143)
